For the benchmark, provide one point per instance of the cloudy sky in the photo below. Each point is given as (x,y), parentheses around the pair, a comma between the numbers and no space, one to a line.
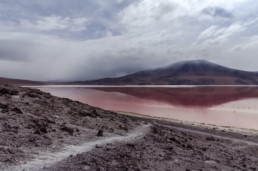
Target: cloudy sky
(90,39)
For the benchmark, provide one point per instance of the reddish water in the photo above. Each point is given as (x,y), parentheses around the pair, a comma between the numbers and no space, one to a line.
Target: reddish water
(223,106)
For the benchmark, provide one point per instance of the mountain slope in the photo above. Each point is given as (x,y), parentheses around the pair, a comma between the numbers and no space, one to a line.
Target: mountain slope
(195,72)
(18,81)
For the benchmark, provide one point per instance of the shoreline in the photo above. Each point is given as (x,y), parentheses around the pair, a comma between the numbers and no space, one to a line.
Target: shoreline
(132,86)
(240,123)
(191,123)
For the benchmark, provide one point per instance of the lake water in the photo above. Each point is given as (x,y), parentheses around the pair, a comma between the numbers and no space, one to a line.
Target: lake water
(222,106)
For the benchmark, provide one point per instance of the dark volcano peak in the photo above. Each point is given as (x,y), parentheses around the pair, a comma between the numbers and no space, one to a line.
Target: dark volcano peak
(195,64)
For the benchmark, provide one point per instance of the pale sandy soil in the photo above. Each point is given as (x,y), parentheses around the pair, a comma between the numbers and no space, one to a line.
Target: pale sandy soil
(215,127)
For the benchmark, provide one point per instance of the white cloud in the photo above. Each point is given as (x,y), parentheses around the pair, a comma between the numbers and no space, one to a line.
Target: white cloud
(216,34)
(250,44)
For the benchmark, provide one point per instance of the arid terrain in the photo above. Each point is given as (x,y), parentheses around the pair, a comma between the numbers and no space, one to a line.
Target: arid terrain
(42,132)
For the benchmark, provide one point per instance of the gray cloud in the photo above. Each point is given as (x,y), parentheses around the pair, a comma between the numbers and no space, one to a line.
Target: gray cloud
(217,12)
(56,23)
(84,39)
(16,50)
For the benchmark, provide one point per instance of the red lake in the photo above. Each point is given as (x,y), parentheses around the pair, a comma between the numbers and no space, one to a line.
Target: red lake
(222,106)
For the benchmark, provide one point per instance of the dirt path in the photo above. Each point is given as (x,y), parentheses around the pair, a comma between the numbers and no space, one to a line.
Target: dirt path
(169,146)
(210,134)
(46,159)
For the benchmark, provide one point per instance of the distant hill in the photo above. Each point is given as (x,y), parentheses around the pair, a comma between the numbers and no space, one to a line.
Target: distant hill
(18,81)
(194,72)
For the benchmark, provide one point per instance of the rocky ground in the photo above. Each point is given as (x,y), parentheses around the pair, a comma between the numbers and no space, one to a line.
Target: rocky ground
(166,148)
(42,132)
(31,121)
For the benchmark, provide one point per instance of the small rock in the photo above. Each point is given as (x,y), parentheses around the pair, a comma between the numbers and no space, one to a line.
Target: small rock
(86,114)
(67,129)
(130,145)
(155,130)
(4,91)
(98,146)
(189,146)
(3,106)
(44,130)
(210,139)
(17,110)
(204,149)
(37,132)
(100,133)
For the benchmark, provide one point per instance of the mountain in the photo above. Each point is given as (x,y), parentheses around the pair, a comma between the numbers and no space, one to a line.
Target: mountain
(194,72)
(18,81)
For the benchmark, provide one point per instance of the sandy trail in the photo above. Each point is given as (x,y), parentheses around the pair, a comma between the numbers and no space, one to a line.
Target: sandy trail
(236,140)
(46,159)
